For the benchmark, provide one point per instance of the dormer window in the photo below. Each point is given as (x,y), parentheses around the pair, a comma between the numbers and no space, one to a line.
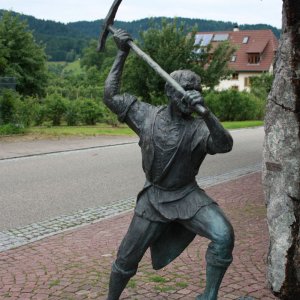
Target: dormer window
(253,58)
(233,58)
(245,39)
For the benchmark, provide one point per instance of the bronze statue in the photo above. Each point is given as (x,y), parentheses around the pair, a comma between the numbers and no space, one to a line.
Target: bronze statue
(171,209)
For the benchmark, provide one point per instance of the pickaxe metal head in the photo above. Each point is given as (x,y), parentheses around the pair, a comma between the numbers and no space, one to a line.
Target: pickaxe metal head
(108,22)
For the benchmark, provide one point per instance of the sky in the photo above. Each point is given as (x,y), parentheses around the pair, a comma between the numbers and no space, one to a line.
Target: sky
(239,11)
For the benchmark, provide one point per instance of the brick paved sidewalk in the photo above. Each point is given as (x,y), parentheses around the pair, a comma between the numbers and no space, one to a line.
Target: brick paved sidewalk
(76,264)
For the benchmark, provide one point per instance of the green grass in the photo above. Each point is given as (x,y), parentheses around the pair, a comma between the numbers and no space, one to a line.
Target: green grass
(131,284)
(156,278)
(242,124)
(10,129)
(182,285)
(54,283)
(104,129)
(60,131)
(44,132)
(164,289)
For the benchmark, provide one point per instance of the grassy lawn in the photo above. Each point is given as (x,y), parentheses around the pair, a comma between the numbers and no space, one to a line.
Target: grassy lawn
(45,132)
(242,124)
(101,129)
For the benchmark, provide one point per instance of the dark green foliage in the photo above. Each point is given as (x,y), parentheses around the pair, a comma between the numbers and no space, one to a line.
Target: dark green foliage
(24,111)
(60,39)
(56,69)
(7,106)
(72,113)
(171,49)
(55,108)
(261,85)
(39,113)
(90,112)
(96,64)
(83,83)
(90,57)
(15,110)
(9,129)
(232,105)
(21,57)
(109,117)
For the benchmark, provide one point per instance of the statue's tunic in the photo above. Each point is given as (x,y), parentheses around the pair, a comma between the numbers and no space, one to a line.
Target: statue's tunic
(172,153)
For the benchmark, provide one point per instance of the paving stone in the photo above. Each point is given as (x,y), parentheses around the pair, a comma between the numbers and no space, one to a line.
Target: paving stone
(76,263)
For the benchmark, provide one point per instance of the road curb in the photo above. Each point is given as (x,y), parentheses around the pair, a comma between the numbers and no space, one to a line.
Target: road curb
(65,151)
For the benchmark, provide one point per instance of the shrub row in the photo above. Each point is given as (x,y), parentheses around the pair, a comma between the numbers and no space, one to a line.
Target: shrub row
(20,112)
(232,105)
(52,110)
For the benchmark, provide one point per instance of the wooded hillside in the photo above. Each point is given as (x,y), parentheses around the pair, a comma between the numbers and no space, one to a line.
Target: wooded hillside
(65,42)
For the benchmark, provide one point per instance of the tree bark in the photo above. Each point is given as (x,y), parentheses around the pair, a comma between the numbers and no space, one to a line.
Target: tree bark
(281,160)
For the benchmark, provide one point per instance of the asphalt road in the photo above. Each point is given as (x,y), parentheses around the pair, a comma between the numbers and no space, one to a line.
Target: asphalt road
(41,187)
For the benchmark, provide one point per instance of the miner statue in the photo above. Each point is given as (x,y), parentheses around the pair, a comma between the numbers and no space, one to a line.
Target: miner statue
(171,209)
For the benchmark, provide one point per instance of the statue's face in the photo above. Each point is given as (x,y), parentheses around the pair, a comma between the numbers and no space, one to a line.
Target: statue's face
(179,103)
(189,81)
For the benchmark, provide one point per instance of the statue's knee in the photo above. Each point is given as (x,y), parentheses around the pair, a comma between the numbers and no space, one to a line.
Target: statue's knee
(228,238)
(224,239)
(125,269)
(219,252)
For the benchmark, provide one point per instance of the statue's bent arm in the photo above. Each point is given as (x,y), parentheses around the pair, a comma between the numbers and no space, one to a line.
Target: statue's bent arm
(219,140)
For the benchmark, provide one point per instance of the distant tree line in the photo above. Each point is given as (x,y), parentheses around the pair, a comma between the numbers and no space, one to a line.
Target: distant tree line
(65,42)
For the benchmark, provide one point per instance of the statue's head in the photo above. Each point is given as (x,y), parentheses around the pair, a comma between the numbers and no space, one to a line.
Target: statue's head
(189,80)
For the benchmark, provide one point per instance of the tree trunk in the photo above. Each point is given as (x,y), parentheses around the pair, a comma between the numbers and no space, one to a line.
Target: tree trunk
(281,165)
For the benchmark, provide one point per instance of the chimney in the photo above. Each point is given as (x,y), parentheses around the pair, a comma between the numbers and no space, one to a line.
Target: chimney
(236,28)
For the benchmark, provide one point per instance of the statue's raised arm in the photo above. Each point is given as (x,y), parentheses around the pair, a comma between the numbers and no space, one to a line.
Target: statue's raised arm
(113,81)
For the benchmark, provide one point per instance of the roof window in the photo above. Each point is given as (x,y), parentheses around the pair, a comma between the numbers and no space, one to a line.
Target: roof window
(245,39)
(203,39)
(220,37)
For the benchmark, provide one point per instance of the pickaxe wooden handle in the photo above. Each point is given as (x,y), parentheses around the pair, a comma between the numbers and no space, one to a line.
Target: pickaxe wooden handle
(107,27)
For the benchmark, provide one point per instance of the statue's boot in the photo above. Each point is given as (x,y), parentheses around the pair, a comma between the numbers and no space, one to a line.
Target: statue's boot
(117,284)
(214,276)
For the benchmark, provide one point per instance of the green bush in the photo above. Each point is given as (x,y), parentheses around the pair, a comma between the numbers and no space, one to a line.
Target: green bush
(39,112)
(17,111)
(110,118)
(90,111)
(56,107)
(260,86)
(72,114)
(232,105)
(8,103)
(25,111)
(9,129)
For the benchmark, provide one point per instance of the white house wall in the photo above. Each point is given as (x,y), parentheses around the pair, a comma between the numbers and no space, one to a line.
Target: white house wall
(239,83)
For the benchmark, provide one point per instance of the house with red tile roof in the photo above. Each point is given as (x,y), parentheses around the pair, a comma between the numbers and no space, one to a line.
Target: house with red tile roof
(255,52)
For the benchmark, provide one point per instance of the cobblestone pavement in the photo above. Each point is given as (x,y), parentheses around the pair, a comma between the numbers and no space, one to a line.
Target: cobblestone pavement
(75,264)
(16,237)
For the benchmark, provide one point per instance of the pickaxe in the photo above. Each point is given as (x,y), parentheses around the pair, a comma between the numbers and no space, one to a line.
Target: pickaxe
(107,27)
